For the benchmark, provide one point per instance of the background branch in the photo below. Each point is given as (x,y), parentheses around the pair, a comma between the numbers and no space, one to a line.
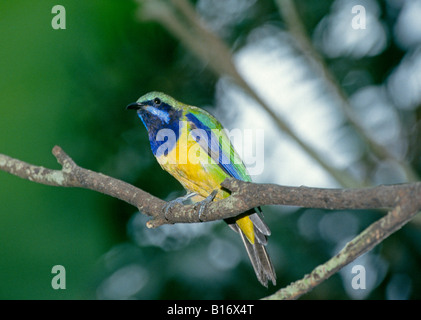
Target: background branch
(295,26)
(405,199)
(364,242)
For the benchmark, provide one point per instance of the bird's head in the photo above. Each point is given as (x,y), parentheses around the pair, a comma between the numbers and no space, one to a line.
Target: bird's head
(157,111)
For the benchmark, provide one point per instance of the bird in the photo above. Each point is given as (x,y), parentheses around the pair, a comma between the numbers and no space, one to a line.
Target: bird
(191,145)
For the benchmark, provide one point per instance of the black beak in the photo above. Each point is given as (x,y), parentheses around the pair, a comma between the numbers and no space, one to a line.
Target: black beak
(134,106)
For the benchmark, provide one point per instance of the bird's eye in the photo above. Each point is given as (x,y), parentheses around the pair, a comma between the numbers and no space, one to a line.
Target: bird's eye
(157,101)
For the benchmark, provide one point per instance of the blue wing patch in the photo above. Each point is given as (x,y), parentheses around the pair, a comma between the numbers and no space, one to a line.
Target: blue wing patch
(210,143)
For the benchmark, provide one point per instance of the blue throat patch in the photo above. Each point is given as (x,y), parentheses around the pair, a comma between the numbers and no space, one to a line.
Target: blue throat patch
(163,125)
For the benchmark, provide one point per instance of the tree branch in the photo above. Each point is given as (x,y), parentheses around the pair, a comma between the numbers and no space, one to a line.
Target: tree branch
(244,195)
(403,200)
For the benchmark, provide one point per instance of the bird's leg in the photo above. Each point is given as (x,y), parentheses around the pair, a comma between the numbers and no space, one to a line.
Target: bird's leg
(202,204)
(176,201)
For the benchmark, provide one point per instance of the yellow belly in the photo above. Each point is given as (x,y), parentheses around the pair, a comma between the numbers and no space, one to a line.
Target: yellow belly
(192,167)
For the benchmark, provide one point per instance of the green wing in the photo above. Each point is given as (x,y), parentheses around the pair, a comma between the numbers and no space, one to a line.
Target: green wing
(214,140)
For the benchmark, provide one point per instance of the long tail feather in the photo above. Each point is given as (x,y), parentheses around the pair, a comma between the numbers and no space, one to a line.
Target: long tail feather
(260,260)
(256,251)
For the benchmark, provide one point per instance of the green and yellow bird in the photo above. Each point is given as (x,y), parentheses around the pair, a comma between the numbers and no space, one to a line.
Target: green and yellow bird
(192,146)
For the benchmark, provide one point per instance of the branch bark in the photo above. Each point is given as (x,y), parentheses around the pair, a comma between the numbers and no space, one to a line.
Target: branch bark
(403,202)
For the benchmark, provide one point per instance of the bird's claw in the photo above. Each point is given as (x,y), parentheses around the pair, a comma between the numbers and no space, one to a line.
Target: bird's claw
(175,202)
(203,204)
(170,205)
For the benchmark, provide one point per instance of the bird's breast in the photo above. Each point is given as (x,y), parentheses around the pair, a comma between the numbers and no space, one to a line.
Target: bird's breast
(192,167)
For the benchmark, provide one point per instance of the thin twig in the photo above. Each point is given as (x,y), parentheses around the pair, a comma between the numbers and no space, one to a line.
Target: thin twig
(364,242)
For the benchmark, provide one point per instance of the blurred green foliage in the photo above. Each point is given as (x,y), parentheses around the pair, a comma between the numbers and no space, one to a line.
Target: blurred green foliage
(69,88)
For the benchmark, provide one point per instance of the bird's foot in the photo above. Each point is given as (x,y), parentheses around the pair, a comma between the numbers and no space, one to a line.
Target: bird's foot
(202,204)
(176,201)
